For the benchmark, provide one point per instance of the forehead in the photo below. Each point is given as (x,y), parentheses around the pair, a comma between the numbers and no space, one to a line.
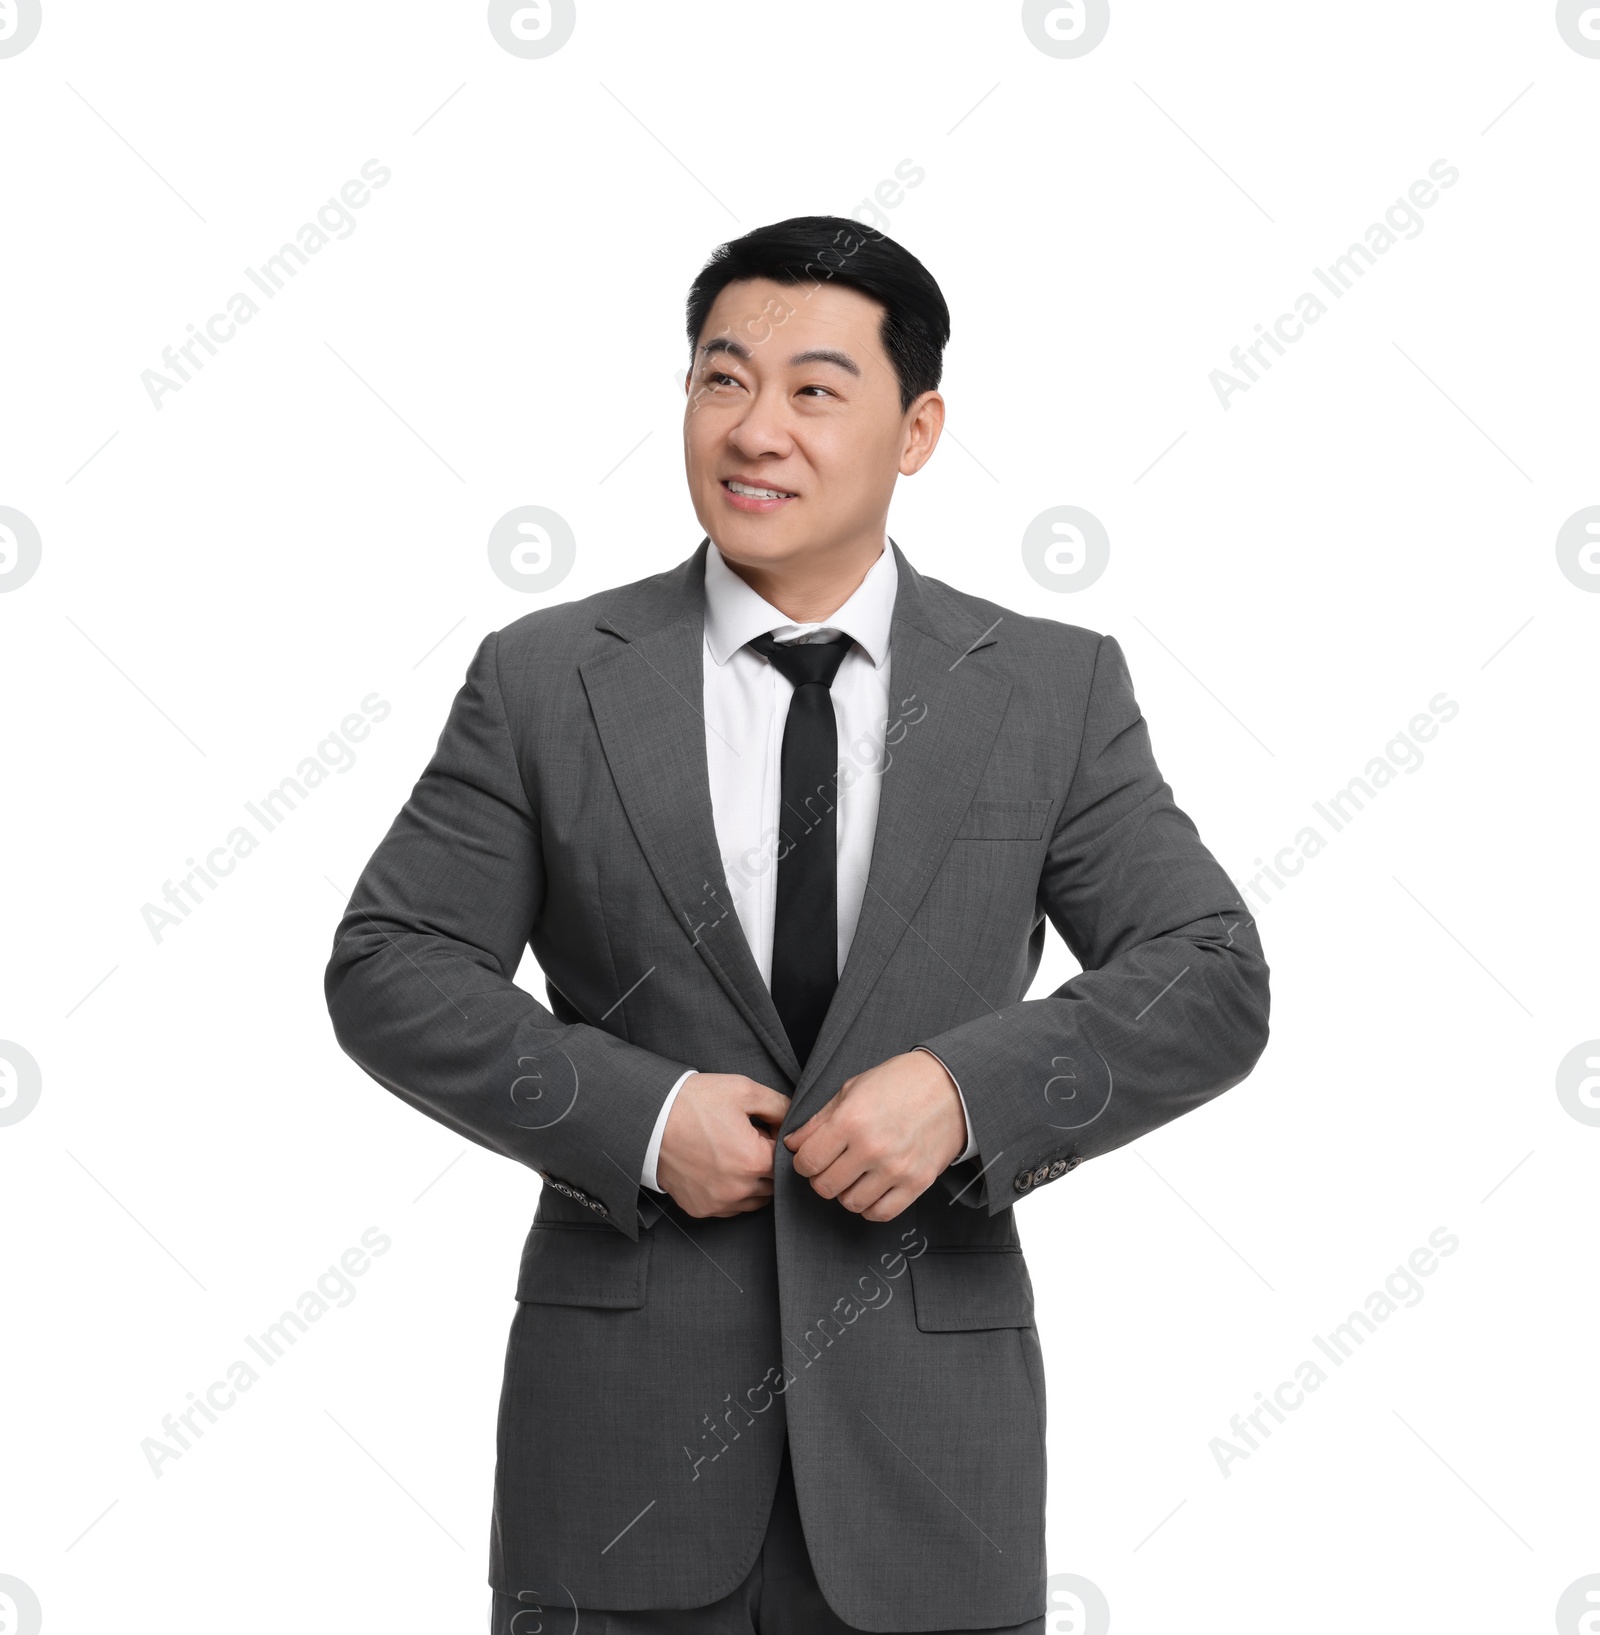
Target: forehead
(774,321)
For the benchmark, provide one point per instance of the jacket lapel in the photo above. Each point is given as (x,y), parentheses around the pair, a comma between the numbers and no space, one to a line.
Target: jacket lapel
(647,696)
(946,705)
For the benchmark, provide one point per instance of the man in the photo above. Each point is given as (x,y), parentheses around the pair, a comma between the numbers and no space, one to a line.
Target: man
(784,826)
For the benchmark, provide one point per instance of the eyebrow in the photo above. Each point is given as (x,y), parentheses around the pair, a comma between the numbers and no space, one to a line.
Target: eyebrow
(820,354)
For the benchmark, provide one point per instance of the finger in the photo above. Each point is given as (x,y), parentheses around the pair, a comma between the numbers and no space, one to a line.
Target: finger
(770,1106)
(859,1197)
(822,1147)
(752,1198)
(759,1193)
(894,1202)
(817,1122)
(761,1153)
(844,1172)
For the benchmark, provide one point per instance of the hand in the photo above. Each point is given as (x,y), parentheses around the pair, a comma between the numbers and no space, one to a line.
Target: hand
(714,1160)
(880,1143)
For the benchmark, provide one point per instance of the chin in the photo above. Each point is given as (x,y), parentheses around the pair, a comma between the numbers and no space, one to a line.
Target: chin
(755,542)
(752,555)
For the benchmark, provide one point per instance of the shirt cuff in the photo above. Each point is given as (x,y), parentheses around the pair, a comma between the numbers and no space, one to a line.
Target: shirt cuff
(653,1152)
(971,1147)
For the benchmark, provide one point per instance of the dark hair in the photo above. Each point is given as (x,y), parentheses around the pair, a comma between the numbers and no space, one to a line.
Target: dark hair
(837,249)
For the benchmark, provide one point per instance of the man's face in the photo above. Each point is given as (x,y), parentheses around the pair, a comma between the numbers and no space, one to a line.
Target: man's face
(792,391)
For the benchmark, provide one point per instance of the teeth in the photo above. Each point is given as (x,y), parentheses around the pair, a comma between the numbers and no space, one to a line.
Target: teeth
(759,493)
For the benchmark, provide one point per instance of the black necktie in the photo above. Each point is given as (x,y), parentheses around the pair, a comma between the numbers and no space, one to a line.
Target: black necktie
(805,933)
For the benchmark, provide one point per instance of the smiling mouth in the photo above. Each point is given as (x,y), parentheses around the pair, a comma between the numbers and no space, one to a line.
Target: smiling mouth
(750,491)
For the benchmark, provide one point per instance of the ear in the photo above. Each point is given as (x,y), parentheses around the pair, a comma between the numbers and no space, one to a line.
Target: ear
(924,423)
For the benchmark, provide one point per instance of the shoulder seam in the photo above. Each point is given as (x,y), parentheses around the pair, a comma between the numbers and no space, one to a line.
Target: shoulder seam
(1083,733)
(493,642)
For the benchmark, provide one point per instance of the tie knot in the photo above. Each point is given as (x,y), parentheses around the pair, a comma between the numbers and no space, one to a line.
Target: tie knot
(803,662)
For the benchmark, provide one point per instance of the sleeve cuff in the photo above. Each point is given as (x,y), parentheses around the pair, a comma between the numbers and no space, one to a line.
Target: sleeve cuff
(972,1141)
(653,1152)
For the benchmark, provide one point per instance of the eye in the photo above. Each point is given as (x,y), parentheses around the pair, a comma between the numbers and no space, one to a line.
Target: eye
(715,376)
(823,389)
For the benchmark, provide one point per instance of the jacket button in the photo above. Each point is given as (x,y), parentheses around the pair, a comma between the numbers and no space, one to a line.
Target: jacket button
(1058,1169)
(1041,1175)
(1072,1163)
(1023,1182)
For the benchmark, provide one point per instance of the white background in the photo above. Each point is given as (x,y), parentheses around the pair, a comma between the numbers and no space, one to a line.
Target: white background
(305,523)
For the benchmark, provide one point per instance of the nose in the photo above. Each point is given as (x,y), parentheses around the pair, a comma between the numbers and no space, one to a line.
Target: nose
(762,429)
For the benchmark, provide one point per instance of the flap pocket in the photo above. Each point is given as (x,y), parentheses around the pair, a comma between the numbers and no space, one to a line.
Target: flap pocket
(583,1264)
(971,1288)
(1004,820)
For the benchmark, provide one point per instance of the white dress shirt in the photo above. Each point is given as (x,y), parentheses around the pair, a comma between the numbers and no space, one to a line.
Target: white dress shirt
(746,702)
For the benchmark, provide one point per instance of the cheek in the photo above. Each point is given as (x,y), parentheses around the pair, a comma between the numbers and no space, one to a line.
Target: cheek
(705,425)
(698,444)
(836,453)
(854,468)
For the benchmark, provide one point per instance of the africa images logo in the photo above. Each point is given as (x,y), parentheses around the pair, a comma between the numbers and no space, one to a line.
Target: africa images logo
(20,549)
(19,26)
(532,548)
(1579,22)
(1577,548)
(532,28)
(1066,548)
(334,220)
(1066,28)
(20,1084)
(20,1613)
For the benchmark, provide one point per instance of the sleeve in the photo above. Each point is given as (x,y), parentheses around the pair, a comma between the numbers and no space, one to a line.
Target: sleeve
(420,984)
(1171,1006)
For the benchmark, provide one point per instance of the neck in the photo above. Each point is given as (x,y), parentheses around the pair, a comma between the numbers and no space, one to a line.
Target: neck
(813,586)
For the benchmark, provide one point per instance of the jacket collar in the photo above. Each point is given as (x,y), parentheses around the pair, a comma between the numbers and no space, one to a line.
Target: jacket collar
(651,604)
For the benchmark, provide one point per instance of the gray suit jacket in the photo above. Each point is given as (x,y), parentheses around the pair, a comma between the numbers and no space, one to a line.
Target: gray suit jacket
(656,1361)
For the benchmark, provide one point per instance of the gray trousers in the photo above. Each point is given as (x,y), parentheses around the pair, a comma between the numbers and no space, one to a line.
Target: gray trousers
(779,1596)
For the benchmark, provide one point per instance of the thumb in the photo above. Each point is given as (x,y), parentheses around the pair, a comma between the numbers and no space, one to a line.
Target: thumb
(818,1118)
(801,1131)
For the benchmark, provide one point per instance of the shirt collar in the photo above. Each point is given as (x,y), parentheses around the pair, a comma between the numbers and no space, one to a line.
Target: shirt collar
(735,613)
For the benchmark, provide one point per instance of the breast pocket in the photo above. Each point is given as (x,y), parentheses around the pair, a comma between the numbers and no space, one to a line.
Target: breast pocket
(1004,820)
(582,1263)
